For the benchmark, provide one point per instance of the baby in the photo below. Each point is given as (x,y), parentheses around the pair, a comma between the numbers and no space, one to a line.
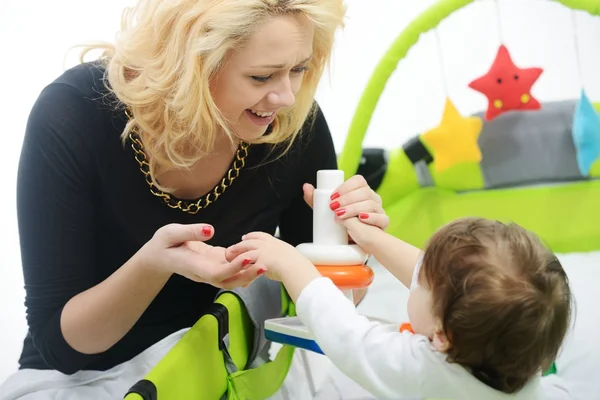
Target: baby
(489,307)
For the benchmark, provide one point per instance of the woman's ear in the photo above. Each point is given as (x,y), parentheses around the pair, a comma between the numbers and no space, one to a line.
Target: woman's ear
(440,341)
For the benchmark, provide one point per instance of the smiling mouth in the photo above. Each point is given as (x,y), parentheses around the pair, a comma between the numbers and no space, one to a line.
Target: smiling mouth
(262,114)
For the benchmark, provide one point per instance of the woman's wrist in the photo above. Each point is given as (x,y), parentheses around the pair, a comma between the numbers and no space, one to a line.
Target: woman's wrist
(144,261)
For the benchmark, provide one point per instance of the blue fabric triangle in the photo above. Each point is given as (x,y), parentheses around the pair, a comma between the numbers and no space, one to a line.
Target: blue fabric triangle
(586,134)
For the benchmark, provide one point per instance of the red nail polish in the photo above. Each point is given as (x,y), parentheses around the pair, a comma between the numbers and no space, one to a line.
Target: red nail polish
(340,212)
(334,206)
(206,231)
(261,271)
(246,262)
(335,196)
(363,215)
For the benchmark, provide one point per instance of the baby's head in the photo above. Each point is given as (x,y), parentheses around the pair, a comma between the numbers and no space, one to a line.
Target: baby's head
(493,298)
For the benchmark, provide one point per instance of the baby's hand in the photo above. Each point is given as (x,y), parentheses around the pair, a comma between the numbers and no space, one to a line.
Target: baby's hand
(361,233)
(266,251)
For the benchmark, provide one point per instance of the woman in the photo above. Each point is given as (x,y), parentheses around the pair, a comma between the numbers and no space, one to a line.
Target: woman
(137,170)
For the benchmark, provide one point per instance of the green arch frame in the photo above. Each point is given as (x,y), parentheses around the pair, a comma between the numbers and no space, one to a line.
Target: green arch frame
(416,212)
(352,151)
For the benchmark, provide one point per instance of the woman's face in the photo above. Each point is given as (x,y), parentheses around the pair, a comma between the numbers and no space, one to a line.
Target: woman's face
(261,78)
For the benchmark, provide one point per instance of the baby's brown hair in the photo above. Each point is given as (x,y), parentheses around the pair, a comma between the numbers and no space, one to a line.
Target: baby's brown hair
(503,299)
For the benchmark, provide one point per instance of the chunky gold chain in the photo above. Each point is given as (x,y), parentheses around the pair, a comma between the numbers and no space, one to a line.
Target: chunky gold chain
(191,207)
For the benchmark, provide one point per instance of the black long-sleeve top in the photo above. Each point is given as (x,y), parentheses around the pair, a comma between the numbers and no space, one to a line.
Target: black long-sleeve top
(84,209)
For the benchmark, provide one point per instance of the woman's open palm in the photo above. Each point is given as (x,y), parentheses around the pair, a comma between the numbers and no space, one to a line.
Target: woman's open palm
(180,249)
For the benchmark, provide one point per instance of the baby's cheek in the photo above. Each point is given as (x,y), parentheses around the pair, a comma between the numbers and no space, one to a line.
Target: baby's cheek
(418,314)
(410,308)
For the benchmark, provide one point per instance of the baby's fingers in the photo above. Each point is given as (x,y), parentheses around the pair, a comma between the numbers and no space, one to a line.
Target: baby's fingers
(257,236)
(246,258)
(232,252)
(243,247)
(352,223)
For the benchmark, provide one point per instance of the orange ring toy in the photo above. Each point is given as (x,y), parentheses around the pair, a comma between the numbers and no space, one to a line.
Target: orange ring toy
(406,327)
(347,277)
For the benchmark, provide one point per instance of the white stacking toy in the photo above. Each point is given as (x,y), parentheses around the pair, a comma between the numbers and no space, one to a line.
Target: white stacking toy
(333,256)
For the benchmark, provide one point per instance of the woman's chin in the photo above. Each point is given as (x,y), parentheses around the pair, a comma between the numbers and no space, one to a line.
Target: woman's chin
(251,135)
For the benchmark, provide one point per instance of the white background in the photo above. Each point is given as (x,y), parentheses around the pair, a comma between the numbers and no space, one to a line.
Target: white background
(35,36)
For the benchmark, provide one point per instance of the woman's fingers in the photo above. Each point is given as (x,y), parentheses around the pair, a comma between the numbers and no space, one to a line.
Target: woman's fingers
(360,199)
(355,182)
(341,201)
(355,189)
(214,270)
(376,219)
(175,234)
(243,278)
(356,196)
(308,194)
(355,209)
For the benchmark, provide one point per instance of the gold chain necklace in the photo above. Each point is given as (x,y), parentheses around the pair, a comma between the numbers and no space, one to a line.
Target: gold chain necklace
(191,207)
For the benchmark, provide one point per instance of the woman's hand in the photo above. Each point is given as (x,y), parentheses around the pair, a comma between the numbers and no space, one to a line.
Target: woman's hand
(354,198)
(180,249)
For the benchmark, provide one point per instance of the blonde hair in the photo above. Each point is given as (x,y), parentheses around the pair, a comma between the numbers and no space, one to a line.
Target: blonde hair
(168,51)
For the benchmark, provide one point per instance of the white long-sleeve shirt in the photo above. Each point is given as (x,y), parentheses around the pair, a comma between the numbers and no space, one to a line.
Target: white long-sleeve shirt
(387,363)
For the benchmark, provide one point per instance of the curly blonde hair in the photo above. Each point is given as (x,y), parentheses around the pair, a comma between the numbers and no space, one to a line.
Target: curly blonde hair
(168,51)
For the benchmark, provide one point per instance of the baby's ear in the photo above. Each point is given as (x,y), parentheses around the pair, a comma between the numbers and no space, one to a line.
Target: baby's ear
(440,341)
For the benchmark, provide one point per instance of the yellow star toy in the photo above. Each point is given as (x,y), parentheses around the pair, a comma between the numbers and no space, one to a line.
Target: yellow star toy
(454,140)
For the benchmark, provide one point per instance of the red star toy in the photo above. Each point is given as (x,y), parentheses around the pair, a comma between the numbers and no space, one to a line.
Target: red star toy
(507,86)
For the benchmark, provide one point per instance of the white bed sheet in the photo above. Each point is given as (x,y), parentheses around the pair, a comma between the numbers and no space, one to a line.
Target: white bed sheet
(578,364)
(579,361)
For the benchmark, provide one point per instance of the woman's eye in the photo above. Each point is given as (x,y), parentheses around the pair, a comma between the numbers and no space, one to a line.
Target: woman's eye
(300,70)
(261,79)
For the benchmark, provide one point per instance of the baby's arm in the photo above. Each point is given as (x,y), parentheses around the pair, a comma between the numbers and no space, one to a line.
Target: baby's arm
(382,360)
(395,255)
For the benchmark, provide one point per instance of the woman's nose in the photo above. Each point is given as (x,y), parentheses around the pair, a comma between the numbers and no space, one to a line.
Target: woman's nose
(283,95)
